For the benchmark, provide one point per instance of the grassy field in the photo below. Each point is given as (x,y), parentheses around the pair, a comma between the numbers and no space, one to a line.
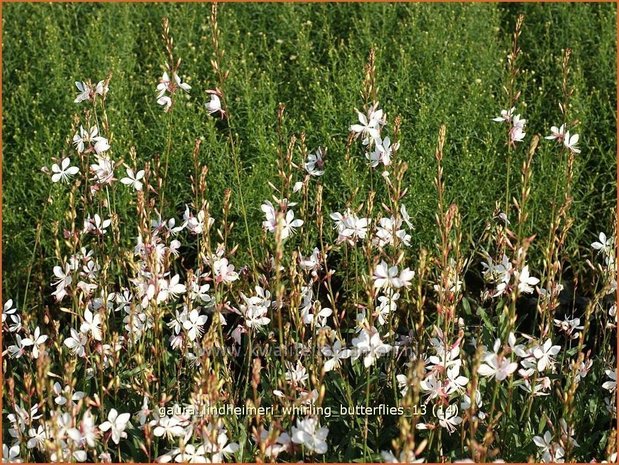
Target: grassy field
(435,65)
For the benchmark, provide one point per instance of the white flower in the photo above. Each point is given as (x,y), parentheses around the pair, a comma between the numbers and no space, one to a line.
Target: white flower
(168,426)
(194,325)
(8,310)
(496,365)
(220,447)
(544,354)
(336,353)
(506,116)
(570,142)
(570,326)
(448,417)
(11,454)
(84,92)
(63,281)
(165,102)
(382,152)
(96,225)
(270,224)
(63,171)
(455,381)
(387,305)
(224,272)
(388,232)
(102,88)
(320,317)
(117,423)
(308,433)
(19,348)
(133,179)
(63,395)
(281,444)
(516,132)
(525,281)
(557,133)
(604,245)
(389,277)
(499,274)
(77,343)
(170,289)
(612,384)
(255,315)
(103,170)
(369,344)
(92,324)
(405,216)
(296,375)
(37,438)
(192,454)
(35,341)
(551,452)
(311,263)
(183,85)
(166,85)
(350,228)
(314,164)
(405,457)
(289,223)
(214,105)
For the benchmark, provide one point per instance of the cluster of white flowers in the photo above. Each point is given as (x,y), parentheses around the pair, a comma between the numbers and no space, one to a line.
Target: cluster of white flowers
(212,293)
(564,137)
(88,92)
(282,217)
(26,342)
(167,88)
(500,275)
(444,385)
(515,123)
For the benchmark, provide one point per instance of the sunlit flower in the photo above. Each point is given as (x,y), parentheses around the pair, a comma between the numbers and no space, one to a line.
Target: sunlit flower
(350,228)
(369,125)
(610,385)
(133,179)
(544,354)
(296,374)
(557,133)
(389,277)
(92,324)
(496,365)
(117,424)
(336,354)
(35,341)
(370,345)
(570,142)
(314,165)
(506,116)
(170,86)
(194,324)
(213,105)
(308,433)
(77,343)
(448,417)
(526,281)
(64,171)
(223,271)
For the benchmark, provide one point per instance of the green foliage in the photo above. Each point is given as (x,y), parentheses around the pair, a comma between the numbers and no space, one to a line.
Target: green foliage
(435,64)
